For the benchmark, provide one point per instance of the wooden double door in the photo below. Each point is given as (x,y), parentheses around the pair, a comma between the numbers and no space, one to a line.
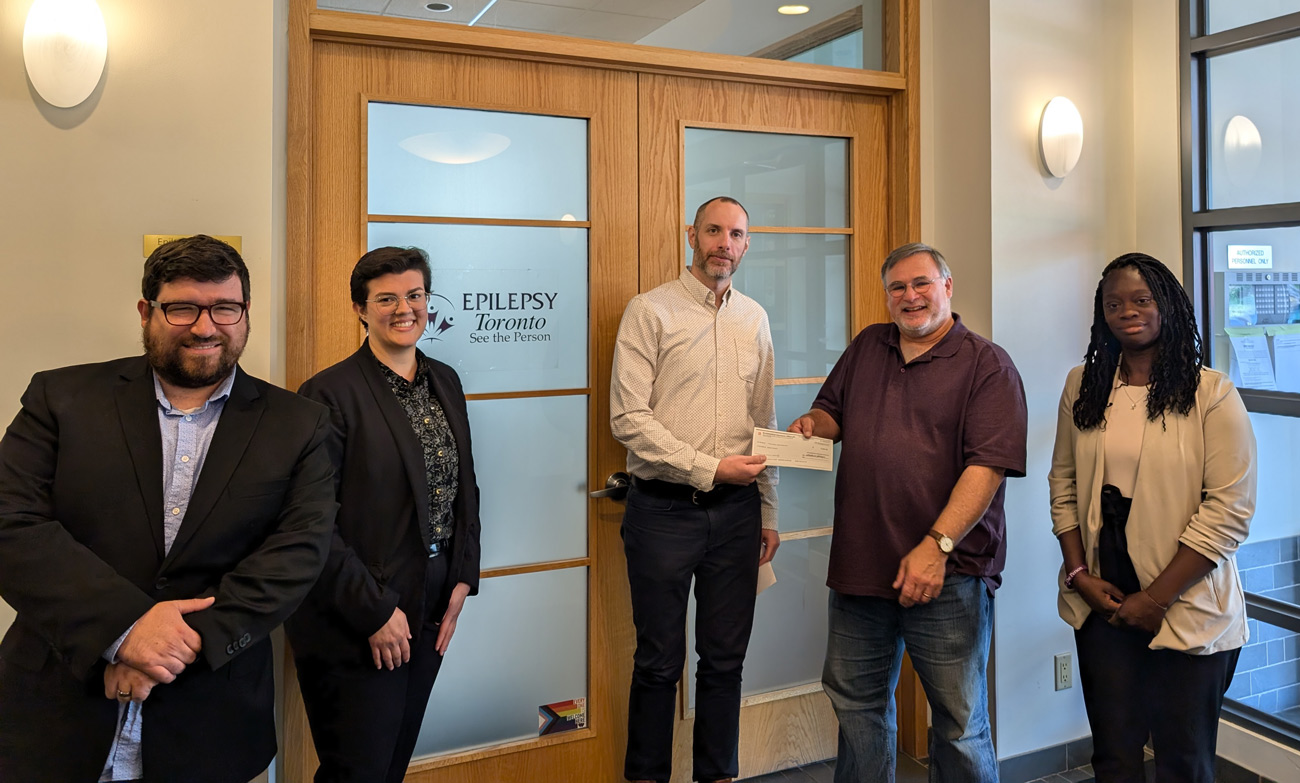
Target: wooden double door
(625,235)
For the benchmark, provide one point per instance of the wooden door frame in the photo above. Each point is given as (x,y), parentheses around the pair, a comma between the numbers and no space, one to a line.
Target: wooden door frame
(899,84)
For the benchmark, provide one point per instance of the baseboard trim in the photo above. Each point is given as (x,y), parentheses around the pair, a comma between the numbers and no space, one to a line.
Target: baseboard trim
(1275,762)
(1045,761)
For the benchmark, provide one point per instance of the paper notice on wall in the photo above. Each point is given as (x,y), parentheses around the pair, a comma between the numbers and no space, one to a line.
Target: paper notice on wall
(1286,356)
(1250,346)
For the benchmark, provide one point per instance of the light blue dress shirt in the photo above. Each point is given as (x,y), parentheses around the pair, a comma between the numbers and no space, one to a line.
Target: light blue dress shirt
(186,436)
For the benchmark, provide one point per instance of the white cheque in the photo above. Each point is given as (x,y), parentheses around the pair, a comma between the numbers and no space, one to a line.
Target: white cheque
(792,450)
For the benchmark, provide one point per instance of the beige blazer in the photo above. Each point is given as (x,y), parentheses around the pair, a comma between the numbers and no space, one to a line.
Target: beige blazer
(1195,486)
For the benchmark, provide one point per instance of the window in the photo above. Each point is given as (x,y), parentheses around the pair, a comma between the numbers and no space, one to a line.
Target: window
(1240,64)
(1241,203)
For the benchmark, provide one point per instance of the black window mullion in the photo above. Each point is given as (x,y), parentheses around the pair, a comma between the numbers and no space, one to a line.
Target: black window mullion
(1268,31)
(1237,218)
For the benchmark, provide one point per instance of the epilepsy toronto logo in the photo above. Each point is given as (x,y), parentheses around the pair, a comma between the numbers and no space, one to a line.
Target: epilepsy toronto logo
(442,315)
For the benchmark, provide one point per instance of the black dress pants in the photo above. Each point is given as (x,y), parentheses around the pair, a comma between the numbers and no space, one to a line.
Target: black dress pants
(365,721)
(670,538)
(1132,692)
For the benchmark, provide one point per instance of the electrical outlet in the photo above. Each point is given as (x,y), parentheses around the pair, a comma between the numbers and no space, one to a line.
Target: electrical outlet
(1064,676)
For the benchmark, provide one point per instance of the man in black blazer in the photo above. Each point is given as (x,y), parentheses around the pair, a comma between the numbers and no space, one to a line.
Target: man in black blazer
(159,516)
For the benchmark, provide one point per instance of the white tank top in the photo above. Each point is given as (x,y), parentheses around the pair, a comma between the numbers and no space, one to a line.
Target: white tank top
(1126,419)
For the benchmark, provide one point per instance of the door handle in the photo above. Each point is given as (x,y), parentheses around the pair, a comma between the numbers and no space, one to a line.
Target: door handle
(616,487)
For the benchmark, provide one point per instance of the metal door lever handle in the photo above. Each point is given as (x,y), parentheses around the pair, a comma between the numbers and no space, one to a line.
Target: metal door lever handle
(616,486)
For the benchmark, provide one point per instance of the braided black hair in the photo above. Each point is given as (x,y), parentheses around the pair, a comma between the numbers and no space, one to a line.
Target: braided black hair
(1176,369)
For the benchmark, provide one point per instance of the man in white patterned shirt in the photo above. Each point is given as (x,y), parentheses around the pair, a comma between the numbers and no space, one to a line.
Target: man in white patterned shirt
(692,378)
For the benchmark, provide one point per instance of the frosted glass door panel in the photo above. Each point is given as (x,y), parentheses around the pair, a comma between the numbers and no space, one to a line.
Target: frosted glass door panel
(802,282)
(531,457)
(429,160)
(509,303)
(783,180)
(806,498)
(788,645)
(520,643)
(1254,126)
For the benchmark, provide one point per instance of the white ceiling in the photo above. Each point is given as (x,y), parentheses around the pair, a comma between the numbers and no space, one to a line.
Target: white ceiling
(723,26)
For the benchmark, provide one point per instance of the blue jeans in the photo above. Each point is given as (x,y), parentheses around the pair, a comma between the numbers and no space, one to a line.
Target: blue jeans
(948,640)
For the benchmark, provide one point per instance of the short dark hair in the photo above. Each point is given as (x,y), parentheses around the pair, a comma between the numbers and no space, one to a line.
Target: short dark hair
(200,258)
(387,261)
(699,213)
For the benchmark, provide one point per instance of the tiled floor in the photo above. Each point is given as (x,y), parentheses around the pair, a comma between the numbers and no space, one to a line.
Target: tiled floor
(909,771)
(912,771)
(1080,775)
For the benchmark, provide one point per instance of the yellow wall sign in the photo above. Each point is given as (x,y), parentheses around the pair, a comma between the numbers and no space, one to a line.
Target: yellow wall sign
(152,241)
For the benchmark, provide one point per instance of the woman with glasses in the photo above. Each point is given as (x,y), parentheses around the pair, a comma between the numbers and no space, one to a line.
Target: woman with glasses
(370,637)
(1153,488)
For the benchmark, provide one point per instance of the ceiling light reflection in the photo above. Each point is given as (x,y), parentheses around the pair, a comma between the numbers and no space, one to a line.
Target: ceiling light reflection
(456,147)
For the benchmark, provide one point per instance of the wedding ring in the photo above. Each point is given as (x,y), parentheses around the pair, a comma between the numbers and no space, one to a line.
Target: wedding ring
(123,694)
(925,595)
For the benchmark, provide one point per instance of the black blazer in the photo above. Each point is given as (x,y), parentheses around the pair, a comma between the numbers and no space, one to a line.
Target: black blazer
(379,554)
(81,559)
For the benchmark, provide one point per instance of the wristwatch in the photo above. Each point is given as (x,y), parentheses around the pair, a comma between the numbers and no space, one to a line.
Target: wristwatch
(945,544)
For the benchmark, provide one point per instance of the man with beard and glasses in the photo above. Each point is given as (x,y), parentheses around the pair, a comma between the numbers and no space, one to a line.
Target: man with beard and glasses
(932,421)
(692,378)
(159,516)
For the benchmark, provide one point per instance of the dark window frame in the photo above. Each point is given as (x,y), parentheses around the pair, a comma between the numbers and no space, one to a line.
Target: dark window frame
(1195,51)
(1283,615)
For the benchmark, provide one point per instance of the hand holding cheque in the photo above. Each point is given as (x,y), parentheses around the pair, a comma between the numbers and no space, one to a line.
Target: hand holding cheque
(792,450)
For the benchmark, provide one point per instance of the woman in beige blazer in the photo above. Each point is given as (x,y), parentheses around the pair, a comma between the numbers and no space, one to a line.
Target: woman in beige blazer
(1153,488)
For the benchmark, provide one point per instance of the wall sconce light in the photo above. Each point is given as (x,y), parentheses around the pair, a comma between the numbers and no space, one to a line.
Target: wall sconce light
(65,44)
(1060,136)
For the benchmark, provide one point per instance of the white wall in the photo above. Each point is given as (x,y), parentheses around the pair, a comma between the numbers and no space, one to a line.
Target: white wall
(1050,240)
(956,205)
(1157,167)
(183,135)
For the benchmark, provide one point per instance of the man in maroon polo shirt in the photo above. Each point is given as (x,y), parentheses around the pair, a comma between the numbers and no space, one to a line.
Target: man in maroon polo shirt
(932,419)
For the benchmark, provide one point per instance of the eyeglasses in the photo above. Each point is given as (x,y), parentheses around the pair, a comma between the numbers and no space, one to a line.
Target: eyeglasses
(919,285)
(187,313)
(388,302)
